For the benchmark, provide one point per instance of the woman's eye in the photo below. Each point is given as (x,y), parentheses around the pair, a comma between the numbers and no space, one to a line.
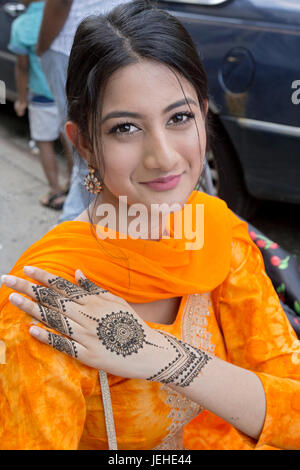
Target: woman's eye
(123,128)
(128,128)
(182,118)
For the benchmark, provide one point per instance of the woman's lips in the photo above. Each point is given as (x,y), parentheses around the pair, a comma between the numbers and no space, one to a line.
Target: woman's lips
(163,184)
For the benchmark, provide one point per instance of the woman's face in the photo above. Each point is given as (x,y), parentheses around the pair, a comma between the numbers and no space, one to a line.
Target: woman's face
(148,132)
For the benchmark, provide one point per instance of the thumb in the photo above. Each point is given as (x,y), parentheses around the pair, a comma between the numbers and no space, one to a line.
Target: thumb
(86,284)
(79,275)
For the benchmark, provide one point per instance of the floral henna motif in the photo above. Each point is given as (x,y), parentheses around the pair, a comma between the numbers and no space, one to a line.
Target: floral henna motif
(121,333)
(187,364)
(62,344)
(55,320)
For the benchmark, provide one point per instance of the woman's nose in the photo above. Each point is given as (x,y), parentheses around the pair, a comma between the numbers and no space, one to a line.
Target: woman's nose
(160,153)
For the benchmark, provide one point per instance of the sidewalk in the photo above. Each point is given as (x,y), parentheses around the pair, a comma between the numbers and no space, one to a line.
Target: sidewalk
(22,218)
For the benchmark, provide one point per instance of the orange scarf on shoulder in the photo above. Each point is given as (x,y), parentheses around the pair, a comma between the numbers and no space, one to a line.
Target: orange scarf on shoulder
(140,271)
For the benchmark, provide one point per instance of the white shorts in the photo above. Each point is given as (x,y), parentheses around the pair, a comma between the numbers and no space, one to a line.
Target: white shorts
(44,121)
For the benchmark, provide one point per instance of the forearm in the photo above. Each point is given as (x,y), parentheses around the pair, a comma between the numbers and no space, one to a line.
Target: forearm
(228,391)
(22,76)
(55,15)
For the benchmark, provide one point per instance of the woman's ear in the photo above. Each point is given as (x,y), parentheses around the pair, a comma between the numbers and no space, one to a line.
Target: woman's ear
(78,140)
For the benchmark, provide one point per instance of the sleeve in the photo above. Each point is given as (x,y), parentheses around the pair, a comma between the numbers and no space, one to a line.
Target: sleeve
(16,43)
(42,405)
(259,337)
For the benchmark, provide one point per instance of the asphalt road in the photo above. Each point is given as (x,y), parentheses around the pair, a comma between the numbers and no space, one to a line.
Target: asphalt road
(23,220)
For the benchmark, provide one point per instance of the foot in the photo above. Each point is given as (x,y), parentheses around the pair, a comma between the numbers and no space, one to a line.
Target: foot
(54,200)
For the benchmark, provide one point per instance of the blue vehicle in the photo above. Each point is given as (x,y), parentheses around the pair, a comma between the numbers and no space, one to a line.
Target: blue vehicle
(251,53)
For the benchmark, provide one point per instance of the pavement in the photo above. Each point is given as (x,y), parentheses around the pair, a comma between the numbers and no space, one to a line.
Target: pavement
(22,218)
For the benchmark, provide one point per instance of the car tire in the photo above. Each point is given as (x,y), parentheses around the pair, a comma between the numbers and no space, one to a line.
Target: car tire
(227,176)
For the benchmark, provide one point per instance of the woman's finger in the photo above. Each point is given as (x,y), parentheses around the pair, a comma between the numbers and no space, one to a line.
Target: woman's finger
(50,317)
(62,344)
(87,285)
(64,287)
(44,295)
(74,292)
(92,288)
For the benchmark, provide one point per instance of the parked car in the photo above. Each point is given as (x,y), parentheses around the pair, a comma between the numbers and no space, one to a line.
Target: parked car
(8,12)
(250,51)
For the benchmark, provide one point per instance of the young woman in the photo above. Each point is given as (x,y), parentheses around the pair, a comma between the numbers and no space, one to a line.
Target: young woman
(198,350)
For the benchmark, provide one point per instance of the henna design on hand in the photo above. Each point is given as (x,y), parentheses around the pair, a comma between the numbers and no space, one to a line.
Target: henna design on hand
(49,297)
(121,333)
(90,287)
(55,320)
(86,287)
(185,367)
(54,299)
(69,289)
(62,344)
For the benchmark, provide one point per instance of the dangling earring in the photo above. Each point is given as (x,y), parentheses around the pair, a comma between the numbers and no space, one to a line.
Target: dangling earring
(92,183)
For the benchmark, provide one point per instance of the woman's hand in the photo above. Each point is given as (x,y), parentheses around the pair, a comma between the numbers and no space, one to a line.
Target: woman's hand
(101,330)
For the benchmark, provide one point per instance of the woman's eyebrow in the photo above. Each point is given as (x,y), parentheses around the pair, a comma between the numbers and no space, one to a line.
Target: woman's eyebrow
(119,114)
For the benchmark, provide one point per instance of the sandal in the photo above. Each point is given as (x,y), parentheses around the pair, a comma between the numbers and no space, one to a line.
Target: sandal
(50,202)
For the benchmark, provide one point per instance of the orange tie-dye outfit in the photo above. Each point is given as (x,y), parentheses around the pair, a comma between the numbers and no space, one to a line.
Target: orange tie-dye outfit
(229,308)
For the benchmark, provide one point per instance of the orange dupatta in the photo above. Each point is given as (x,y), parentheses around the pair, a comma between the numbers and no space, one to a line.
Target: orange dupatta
(158,269)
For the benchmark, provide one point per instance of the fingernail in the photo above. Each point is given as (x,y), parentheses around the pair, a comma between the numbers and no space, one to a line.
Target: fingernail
(9,281)
(16,298)
(28,270)
(34,331)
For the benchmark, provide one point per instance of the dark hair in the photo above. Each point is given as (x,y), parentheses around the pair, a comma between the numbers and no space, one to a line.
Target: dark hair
(103,44)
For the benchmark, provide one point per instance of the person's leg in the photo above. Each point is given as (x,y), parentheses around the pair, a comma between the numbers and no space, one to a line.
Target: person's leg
(44,129)
(55,65)
(48,160)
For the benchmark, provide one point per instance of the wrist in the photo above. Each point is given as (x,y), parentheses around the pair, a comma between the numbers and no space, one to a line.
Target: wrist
(177,363)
